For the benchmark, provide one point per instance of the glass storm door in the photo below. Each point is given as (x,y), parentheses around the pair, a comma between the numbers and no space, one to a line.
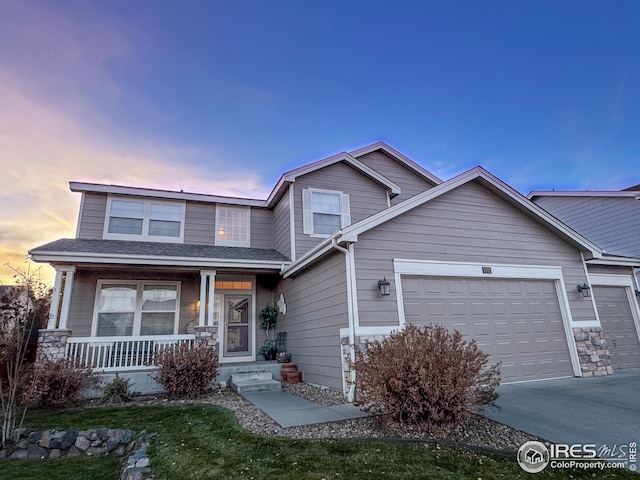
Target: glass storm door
(237,322)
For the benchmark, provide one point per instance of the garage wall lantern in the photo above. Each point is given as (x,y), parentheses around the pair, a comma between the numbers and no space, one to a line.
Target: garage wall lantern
(585,290)
(385,286)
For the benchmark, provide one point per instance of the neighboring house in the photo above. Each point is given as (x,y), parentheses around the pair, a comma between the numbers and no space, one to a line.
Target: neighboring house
(153,267)
(611,219)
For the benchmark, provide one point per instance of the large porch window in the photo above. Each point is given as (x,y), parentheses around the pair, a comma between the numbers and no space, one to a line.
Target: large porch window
(125,308)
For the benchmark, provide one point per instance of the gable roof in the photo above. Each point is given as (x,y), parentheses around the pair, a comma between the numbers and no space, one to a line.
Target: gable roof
(351,159)
(497,186)
(285,180)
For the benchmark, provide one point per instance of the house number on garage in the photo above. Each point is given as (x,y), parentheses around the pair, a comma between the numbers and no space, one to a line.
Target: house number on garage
(486,270)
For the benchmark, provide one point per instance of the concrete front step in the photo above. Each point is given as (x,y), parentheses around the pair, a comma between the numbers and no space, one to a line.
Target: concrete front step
(254,382)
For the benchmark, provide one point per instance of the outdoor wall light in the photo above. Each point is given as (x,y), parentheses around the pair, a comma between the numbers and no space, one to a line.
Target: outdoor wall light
(384,286)
(585,290)
(637,293)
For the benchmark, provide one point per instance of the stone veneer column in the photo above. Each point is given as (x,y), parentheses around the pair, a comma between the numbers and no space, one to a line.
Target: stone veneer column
(207,335)
(52,343)
(592,351)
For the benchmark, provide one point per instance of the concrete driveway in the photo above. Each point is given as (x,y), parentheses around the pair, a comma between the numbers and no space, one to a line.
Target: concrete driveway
(600,410)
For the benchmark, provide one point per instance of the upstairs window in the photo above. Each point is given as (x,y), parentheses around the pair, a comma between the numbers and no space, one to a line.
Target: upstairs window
(232,226)
(141,219)
(325,211)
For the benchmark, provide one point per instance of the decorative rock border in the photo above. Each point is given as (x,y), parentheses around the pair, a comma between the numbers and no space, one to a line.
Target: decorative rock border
(51,444)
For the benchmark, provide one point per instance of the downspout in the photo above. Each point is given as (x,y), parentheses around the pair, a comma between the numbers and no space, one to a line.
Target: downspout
(351,312)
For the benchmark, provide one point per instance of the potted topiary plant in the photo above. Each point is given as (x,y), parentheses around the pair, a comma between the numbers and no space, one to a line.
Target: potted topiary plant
(268,322)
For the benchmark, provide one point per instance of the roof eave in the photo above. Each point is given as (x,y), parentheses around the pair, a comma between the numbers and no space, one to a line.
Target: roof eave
(157,260)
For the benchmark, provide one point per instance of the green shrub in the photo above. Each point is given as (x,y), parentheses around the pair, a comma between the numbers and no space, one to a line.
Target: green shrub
(427,377)
(186,371)
(116,391)
(58,383)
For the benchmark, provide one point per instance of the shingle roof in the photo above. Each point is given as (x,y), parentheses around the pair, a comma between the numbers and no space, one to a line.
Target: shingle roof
(129,248)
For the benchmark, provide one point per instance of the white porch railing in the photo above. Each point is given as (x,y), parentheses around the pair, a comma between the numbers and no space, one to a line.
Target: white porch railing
(111,354)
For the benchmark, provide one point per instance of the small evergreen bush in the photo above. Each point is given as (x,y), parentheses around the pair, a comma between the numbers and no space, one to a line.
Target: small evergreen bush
(116,391)
(186,371)
(426,376)
(58,383)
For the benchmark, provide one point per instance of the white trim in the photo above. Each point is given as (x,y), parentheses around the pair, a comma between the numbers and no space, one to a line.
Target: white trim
(371,331)
(569,193)
(80,214)
(54,310)
(164,194)
(203,301)
(292,223)
(66,297)
(232,243)
(474,270)
(616,261)
(146,218)
(137,314)
(85,257)
(211,298)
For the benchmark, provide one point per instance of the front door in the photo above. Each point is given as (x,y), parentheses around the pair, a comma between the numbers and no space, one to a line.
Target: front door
(237,325)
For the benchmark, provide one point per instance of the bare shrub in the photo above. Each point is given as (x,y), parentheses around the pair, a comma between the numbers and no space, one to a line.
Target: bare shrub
(425,376)
(116,391)
(186,371)
(58,383)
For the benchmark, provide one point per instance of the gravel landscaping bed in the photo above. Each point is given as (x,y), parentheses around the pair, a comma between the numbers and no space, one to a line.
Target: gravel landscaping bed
(478,432)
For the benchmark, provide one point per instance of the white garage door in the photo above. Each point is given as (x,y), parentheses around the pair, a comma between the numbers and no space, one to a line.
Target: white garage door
(617,323)
(517,322)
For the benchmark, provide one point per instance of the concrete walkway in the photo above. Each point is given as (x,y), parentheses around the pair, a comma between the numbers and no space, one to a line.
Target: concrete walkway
(600,410)
(291,411)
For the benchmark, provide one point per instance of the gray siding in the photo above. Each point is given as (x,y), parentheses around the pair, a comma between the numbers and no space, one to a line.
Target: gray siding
(199,223)
(612,223)
(410,183)
(261,228)
(609,270)
(91,221)
(316,311)
(282,227)
(84,294)
(365,196)
(468,224)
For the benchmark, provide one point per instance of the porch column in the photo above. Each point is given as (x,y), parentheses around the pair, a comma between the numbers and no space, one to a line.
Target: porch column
(66,296)
(207,279)
(212,291)
(54,309)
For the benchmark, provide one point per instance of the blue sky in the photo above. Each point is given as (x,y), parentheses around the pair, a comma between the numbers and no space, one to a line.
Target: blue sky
(223,96)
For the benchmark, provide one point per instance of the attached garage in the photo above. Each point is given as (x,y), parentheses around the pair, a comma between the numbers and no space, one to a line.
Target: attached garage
(517,321)
(617,320)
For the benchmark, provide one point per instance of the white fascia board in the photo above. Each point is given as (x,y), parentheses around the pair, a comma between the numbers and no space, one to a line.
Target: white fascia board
(584,193)
(619,261)
(316,252)
(455,182)
(165,194)
(400,157)
(77,257)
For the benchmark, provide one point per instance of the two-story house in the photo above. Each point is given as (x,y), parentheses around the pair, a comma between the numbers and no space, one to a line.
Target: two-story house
(349,247)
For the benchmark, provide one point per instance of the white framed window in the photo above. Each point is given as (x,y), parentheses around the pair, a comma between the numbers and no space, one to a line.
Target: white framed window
(324,211)
(233,226)
(144,219)
(126,308)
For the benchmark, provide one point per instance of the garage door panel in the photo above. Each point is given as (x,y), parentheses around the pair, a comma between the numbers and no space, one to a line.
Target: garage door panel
(618,326)
(518,322)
